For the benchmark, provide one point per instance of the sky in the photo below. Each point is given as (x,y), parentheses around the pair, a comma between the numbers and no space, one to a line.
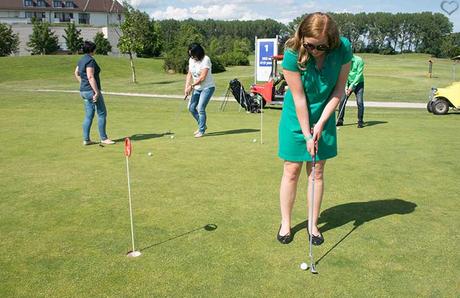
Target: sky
(286,10)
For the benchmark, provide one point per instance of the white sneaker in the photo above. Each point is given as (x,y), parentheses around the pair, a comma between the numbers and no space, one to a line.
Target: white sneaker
(199,135)
(198,130)
(107,142)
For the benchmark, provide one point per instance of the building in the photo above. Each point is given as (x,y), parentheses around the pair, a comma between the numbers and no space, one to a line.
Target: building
(90,16)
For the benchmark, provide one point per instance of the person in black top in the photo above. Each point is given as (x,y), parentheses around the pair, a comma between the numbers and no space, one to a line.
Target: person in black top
(87,73)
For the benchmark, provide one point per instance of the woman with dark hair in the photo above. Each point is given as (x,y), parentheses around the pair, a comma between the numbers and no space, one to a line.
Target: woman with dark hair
(315,65)
(201,84)
(87,73)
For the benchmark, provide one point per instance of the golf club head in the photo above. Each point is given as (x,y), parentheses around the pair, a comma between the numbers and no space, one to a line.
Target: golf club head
(133,254)
(313,269)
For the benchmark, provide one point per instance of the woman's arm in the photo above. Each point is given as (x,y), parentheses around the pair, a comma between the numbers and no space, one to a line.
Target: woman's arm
(188,84)
(92,82)
(203,74)
(300,101)
(333,102)
(77,75)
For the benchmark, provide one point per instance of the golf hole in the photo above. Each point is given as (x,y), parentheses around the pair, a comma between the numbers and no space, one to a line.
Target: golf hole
(210,227)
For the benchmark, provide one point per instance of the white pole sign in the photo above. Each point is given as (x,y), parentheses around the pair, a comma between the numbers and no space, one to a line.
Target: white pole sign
(265,49)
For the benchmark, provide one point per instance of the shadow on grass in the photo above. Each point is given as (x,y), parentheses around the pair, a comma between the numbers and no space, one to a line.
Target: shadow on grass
(144,136)
(230,132)
(165,82)
(358,213)
(367,123)
(208,227)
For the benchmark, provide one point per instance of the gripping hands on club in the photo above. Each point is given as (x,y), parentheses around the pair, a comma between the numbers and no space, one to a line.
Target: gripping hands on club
(312,142)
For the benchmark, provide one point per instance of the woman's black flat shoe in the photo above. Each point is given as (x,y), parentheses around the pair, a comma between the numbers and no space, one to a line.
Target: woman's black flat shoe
(286,239)
(316,240)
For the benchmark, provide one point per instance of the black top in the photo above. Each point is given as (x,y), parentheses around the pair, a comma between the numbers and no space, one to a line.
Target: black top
(88,61)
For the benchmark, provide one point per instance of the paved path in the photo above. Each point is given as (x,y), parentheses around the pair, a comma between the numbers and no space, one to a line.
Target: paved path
(351,103)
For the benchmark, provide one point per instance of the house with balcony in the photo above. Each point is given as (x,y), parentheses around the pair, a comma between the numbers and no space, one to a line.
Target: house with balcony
(90,16)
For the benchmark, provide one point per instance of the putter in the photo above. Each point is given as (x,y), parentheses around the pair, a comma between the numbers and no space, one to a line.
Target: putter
(179,110)
(304,265)
(342,109)
(310,213)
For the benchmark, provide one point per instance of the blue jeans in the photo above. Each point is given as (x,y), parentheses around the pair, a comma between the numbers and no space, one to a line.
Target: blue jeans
(359,92)
(198,103)
(90,108)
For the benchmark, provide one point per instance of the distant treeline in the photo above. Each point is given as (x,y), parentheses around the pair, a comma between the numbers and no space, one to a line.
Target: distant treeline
(229,42)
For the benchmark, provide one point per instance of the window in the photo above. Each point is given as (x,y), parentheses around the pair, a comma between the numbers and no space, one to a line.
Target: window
(57,3)
(36,15)
(28,3)
(83,18)
(69,4)
(41,3)
(63,17)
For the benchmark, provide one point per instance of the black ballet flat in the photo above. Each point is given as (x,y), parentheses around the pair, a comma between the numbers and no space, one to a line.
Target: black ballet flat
(315,239)
(286,239)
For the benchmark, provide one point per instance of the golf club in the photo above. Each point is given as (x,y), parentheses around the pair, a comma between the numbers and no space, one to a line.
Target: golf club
(179,110)
(342,109)
(312,266)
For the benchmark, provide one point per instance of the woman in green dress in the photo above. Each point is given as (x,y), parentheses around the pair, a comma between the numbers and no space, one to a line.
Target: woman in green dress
(315,65)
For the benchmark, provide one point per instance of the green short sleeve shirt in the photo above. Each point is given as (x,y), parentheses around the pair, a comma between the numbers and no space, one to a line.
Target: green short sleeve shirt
(318,87)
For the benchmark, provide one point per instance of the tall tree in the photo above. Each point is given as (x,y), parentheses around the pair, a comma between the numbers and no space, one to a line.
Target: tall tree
(9,41)
(136,36)
(42,41)
(73,38)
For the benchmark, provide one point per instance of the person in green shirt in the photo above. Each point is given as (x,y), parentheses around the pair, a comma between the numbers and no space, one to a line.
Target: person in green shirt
(315,65)
(355,84)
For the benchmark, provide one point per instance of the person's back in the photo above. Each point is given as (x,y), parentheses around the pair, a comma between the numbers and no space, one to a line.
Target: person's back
(84,62)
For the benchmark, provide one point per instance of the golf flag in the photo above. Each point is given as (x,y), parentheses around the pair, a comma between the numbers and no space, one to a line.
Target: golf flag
(128,147)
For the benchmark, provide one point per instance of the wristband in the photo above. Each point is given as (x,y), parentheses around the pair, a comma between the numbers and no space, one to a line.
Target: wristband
(308,138)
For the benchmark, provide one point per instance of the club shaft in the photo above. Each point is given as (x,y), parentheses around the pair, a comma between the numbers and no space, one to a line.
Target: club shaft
(310,209)
(130,205)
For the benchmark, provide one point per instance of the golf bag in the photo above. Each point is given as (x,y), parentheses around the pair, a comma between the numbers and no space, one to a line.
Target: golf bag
(243,98)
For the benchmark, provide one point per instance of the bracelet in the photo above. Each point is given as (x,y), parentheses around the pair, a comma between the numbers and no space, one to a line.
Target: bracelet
(308,138)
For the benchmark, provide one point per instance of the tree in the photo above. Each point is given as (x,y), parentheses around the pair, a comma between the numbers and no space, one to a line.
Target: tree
(136,30)
(72,38)
(103,46)
(9,42)
(42,41)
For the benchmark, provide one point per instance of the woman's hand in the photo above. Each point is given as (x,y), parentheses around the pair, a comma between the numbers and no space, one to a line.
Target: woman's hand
(187,90)
(311,147)
(317,130)
(95,96)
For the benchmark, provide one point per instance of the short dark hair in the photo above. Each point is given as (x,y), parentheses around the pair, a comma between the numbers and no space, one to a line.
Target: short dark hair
(89,47)
(195,50)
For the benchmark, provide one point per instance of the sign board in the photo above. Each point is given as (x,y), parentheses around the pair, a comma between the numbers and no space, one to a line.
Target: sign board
(265,49)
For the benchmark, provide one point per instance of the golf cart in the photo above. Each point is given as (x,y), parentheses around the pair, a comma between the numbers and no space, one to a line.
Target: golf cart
(441,99)
(272,91)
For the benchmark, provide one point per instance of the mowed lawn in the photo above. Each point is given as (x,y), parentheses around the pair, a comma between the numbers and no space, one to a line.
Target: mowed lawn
(400,78)
(390,211)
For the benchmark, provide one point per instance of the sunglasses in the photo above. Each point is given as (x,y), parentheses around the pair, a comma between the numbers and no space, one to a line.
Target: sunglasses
(311,47)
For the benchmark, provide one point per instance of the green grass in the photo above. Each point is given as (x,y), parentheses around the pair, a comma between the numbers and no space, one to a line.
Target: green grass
(401,78)
(64,220)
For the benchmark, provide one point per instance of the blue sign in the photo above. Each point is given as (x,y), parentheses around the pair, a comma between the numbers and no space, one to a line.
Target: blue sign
(266,52)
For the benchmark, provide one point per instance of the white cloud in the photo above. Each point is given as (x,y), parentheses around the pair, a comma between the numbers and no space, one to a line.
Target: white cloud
(200,12)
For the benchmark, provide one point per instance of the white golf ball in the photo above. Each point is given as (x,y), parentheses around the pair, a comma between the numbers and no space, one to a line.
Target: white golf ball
(150,153)
(172,137)
(304,266)
(255,140)
(338,128)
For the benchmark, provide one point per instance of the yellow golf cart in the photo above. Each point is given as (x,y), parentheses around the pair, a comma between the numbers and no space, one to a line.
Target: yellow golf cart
(441,99)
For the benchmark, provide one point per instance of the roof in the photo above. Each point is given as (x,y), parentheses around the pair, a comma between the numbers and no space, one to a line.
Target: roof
(112,6)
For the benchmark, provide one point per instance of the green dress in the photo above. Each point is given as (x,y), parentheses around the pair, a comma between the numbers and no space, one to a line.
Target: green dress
(318,87)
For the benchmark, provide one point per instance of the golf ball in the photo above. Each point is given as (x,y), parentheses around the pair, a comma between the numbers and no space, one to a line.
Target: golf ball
(304,266)
(338,128)
(172,137)
(150,153)
(255,140)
